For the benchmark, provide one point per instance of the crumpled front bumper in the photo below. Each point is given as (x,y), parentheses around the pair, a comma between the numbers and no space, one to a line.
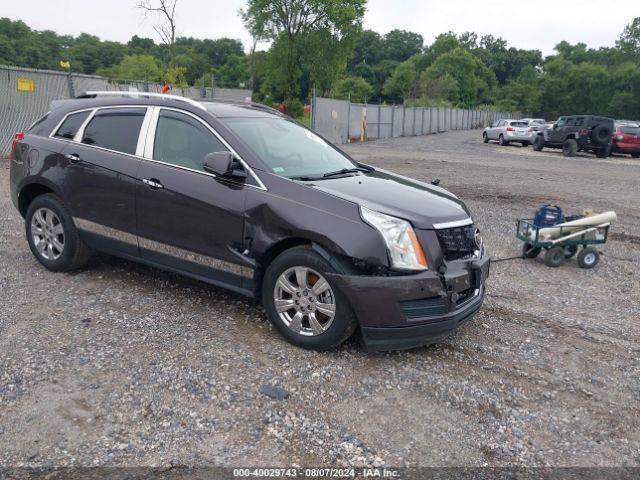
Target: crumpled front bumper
(400,312)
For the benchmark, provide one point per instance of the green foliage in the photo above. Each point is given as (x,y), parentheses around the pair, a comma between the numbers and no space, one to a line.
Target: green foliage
(310,36)
(473,82)
(355,88)
(402,82)
(294,107)
(135,67)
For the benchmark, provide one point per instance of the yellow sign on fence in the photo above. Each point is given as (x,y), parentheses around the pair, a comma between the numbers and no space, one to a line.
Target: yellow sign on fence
(26,85)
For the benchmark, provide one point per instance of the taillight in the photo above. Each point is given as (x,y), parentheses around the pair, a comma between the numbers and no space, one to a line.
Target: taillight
(530,130)
(511,129)
(16,138)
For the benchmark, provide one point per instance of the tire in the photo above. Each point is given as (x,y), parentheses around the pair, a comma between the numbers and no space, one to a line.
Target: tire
(538,143)
(570,251)
(485,137)
(525,144)
(327,333)
(601,134)
(554,257)
(588,258)
(603,152)
(635,155)
(529,251)
(569,147)
(502,141)
(52,235)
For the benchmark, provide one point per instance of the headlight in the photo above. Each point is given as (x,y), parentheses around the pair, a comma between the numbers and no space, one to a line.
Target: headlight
(403,246)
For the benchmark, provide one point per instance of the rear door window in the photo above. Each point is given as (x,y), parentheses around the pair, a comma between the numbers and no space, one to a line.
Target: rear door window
(630,130)
(115,129)
(71,125)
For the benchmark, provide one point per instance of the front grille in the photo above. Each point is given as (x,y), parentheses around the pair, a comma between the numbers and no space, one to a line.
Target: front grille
(427,307)
(457,243)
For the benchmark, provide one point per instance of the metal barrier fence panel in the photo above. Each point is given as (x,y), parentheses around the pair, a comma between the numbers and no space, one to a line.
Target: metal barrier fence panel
(26,95)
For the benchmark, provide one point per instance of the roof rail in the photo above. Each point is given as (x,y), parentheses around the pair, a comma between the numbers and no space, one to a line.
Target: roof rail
(93,94)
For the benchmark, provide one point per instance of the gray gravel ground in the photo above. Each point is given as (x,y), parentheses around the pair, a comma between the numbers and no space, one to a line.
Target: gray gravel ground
(124,365)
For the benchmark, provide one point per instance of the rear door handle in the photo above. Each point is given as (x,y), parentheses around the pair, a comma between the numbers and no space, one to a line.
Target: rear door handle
(73,157)
(152,183)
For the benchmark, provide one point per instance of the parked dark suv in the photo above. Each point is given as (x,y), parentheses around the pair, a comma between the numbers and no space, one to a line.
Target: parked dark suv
(243,197)
(578,132)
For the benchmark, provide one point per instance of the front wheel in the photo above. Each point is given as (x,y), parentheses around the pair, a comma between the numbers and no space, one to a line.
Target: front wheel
(603,152)
(52,235)
(303,304)
(554,257)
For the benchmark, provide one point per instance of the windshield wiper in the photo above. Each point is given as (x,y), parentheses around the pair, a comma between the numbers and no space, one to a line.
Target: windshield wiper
(305,178)
(345,171)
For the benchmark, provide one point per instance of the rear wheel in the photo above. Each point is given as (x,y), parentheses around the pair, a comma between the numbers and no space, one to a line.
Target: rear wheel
(538,143)
(52,235)
(485,137)
(303,304)
(502,141)
(588,258)
(569,147)
(554,257)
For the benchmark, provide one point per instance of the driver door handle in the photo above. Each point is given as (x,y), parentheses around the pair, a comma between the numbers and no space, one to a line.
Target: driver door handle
(73,157)
(153,183)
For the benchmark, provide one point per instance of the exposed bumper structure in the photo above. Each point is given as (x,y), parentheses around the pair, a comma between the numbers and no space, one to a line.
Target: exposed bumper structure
(409,311)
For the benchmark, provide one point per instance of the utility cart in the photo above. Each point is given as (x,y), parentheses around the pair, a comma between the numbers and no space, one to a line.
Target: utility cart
(563,243)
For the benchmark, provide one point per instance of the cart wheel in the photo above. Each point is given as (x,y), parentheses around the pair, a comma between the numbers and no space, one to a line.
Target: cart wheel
(554,257)
(529,251)
(570,251)
(588,258)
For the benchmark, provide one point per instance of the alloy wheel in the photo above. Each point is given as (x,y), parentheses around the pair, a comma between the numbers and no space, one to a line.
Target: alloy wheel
(47,234)
(304,301)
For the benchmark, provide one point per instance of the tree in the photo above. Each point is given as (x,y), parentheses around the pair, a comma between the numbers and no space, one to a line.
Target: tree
(401,45)
(234,73)
(401,85)
(166,27)
(289,23)
(475,81)
(355,88)
(629,41)
(135,67)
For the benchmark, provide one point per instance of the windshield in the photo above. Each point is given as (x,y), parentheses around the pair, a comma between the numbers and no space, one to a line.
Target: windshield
(288,149)
(519,124)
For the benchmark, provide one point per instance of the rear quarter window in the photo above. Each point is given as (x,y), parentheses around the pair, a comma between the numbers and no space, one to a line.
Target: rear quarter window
(71,125)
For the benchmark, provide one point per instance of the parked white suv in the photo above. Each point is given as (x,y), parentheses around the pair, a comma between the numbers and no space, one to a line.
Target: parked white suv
(507,131)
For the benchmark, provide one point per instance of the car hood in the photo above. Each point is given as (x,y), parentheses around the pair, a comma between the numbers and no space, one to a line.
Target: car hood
(422,204)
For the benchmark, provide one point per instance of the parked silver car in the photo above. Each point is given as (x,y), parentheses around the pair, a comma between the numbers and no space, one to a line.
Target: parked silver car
(538,124)
(507,131)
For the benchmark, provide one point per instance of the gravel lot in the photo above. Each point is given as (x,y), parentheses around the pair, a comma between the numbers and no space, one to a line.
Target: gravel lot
(124,365)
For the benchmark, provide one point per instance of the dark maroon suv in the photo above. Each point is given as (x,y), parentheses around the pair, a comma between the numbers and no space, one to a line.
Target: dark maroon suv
(243,197)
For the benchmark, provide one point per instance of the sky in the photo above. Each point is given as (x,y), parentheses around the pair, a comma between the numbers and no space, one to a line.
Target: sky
(522,23)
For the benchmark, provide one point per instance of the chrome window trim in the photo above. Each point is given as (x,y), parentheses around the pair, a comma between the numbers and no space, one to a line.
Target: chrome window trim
(144,131)
(80,132)
(151,137)
(457,223)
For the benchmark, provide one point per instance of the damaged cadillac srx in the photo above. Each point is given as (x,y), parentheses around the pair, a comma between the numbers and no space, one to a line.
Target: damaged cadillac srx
(245,198)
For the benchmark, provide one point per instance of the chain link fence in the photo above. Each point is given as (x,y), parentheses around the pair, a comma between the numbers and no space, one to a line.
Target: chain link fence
(341,121)
(26,95)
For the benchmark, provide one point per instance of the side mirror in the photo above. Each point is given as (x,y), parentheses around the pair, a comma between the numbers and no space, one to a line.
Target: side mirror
(223,164)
